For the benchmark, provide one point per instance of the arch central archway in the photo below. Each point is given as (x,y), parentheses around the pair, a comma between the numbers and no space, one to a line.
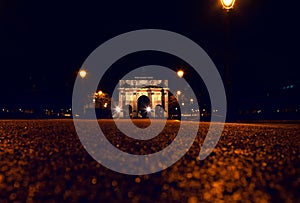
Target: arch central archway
(143,102)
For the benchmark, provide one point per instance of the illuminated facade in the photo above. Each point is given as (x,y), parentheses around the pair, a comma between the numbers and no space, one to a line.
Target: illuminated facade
(143,97)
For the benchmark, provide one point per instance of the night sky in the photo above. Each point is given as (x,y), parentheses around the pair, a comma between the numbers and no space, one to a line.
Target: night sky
(43,44)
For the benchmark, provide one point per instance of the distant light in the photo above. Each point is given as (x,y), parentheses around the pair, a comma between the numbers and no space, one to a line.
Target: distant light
(82,73)
(105,105)
(227,4)
(191,100)
(180,73)
(148,109)
(259,111)
(118,109)
(100,92)
(278,111)
(182,104)
(178,92)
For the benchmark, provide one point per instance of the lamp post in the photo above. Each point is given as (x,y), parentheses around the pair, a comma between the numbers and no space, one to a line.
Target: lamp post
(228,6)
(178,99)
(82,73)
(180,74)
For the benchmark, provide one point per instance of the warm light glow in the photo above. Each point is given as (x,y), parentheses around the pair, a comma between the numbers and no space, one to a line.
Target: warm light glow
(180,73)
(227,4)
(82,73)
(100,92)
(118,109)
(178,92)
(148,109)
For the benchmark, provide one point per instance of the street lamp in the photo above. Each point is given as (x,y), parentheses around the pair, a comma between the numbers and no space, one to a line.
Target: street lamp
(178,96)
(227,4)
(180,73)
(82,73)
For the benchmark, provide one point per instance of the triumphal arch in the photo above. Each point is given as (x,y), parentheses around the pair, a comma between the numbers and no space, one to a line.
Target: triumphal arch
(143,97)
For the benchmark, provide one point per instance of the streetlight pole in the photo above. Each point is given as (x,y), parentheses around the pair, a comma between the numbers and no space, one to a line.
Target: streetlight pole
(82,73)
(180,74)
(228,6)
(178,93)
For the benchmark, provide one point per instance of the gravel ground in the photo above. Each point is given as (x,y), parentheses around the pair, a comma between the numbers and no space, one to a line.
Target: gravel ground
(44,161)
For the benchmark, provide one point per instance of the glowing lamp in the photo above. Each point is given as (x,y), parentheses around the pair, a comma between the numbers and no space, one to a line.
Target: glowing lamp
(180,73)
(82,73)
(227,4)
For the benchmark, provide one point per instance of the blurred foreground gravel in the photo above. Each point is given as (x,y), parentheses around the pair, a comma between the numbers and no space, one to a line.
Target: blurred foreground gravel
(44,161)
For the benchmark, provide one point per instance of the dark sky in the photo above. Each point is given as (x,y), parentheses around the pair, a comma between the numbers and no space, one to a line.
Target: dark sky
(44,43)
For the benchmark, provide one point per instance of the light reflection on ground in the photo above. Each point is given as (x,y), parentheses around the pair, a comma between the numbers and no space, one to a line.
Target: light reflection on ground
(43,160)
